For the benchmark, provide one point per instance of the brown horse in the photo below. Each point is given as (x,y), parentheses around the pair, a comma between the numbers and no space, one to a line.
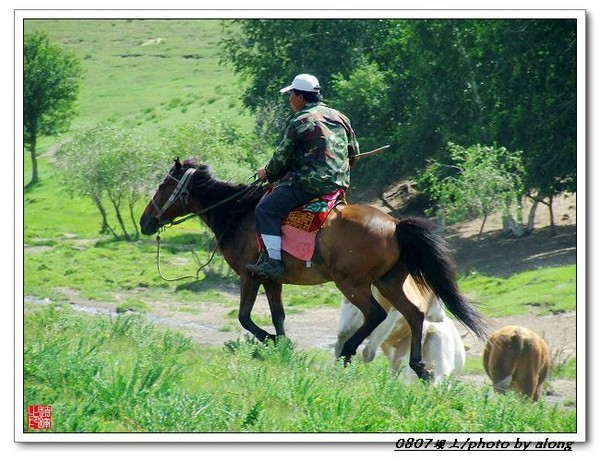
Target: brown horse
(358,246)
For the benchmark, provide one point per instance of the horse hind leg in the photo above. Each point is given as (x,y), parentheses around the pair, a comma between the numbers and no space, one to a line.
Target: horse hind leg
(374,314)
(390,286)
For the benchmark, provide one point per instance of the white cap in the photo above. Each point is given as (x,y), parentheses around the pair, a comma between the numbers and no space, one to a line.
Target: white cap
(303,82)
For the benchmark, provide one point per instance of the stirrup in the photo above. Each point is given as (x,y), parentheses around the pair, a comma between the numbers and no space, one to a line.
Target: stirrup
(262,258)
(267,267)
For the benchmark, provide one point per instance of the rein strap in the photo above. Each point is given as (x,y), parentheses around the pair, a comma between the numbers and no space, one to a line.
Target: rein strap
(215,205)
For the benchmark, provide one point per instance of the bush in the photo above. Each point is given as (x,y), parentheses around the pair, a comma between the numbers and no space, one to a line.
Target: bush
(111,165)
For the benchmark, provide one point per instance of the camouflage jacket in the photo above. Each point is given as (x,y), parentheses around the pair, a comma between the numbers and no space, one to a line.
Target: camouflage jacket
(315,152)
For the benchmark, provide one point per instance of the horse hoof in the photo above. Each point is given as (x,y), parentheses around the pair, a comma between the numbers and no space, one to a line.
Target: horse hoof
(424,374)
(271,338)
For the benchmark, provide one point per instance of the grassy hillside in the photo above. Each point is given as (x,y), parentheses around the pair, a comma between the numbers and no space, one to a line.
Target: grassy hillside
(149,73)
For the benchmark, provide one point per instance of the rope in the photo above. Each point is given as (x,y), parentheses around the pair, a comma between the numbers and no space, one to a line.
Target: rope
(246,190)
(183,277)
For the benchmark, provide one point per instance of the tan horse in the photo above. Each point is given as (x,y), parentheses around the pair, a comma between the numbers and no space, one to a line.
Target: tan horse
(358,246)
(518,359)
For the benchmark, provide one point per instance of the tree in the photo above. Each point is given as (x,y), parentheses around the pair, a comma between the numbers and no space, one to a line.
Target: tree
(50,88)
(480,180)
(537,103)
(109,163)
(117,167)
(420,84)
(217,142)
(268,53)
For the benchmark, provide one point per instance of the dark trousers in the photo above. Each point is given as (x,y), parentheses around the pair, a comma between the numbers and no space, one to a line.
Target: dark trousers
(274,207)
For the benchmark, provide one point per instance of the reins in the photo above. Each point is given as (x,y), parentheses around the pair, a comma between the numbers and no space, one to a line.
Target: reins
(179,190)
(246,190)
(183,277)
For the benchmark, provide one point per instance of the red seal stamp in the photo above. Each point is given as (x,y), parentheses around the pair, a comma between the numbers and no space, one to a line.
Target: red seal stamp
(39,417)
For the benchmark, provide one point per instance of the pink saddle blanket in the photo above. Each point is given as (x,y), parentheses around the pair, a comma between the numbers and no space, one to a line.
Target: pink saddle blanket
(299,229)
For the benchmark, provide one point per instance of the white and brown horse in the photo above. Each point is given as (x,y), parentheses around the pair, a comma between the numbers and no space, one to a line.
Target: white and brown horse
(443,347)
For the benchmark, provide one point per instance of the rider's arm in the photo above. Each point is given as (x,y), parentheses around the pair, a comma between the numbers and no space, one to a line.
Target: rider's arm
(283,158)
(353,147)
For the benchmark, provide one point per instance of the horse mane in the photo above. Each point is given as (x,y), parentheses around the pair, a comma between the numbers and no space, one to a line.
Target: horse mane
(209,190)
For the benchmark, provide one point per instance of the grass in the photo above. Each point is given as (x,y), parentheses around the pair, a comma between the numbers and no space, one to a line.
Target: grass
(544,291)
(127,375)
(566,369)
(122,85)
(473,366)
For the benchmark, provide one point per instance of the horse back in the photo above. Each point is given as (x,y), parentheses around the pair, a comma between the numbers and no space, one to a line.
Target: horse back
(360,237)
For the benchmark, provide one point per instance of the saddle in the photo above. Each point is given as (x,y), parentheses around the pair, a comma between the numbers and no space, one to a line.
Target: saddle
(300,227)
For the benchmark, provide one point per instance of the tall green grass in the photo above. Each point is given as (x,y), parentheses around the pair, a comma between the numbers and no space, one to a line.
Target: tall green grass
(126,375)
(543,291)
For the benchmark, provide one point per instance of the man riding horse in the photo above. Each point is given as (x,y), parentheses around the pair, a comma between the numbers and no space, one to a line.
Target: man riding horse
(314,158)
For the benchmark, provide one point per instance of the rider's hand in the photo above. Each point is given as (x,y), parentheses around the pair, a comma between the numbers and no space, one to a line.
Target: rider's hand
(262,174)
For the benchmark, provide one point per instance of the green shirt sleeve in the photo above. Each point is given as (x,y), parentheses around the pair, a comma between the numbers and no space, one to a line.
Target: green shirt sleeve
(282,160)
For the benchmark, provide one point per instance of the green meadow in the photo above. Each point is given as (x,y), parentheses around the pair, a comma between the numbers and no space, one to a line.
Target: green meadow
(125,374)
(149,73)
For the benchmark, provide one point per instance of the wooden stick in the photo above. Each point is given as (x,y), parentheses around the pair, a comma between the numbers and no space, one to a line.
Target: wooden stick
(373,152)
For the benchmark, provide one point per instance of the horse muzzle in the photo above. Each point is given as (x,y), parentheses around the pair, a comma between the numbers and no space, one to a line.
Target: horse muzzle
(149,224)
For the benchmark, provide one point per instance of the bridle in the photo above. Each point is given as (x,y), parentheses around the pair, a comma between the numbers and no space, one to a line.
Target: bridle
(179,193)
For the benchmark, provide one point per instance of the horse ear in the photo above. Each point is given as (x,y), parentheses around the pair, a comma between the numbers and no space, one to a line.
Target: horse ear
(177,164)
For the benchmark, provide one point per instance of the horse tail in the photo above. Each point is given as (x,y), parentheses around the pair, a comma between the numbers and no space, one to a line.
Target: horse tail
(428,259)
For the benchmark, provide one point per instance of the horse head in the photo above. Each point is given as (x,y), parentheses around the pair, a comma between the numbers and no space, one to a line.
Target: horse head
(171,200)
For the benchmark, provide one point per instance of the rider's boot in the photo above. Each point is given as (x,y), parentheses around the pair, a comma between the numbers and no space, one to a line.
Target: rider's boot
(269,263)
(267,267)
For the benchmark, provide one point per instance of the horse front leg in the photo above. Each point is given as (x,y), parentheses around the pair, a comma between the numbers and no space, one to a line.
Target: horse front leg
(248,292)
(273,291)
(350,321)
